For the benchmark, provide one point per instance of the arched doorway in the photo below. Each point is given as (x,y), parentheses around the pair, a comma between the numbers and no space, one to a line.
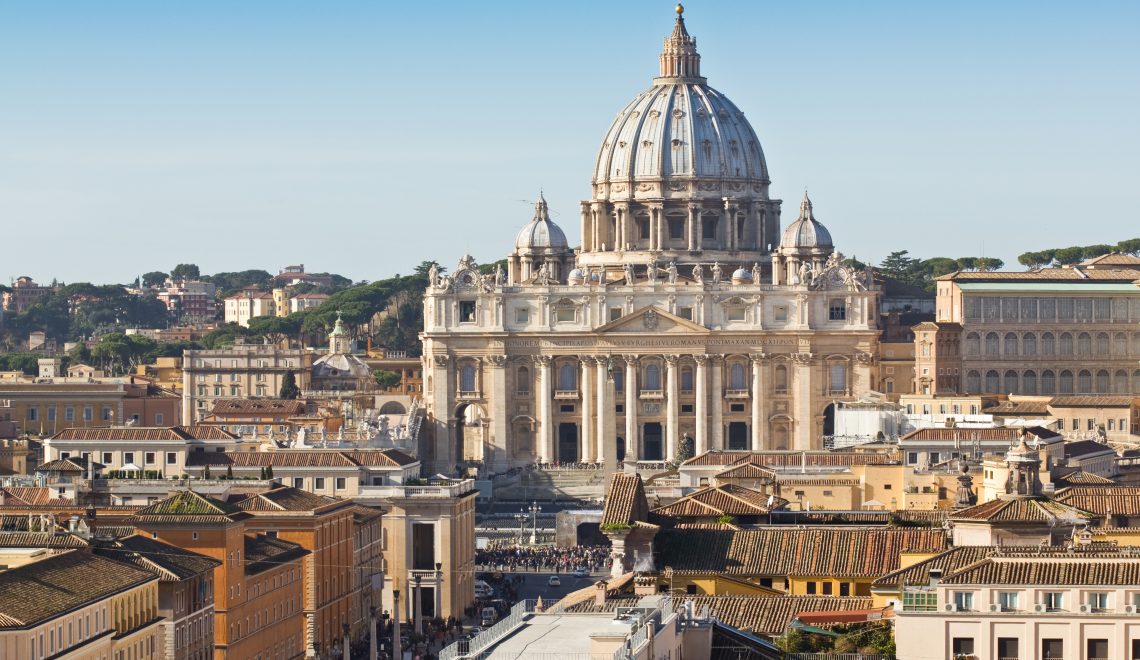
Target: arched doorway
(393,408)
(468,434)
(829,419)
(651,442)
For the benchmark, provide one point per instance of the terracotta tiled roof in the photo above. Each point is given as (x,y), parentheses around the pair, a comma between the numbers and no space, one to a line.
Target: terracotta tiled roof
(284,498)
(1043,275)
(1007,433)
(1082,478)
(1102,500)
(32,495)
(794,551)
(1028,510)
(746,471)
(380,457)
(771,615)
(361,513)
(189,506)
(284,458)
(1020,408)
(40,540)
(948,562)
(259,406)
(1111,569)
(171,563)
(1085,448)
(263,552)
(625,501)
(47,588)
(723,500)
(73,465)
(1113,259)
(144,433)
(1093,401)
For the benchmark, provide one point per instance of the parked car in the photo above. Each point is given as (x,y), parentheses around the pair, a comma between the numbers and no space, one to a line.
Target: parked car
(581,573)
(554,581)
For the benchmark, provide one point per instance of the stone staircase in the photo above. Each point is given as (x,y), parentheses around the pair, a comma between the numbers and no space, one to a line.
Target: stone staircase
(552,485)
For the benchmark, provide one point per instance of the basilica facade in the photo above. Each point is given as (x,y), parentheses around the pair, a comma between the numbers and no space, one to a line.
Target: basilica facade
(684,312)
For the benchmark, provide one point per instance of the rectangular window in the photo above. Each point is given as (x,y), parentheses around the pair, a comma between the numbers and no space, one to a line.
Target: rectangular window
(69,414)
(676,229)
(158,419)
(1007,600)
(107,458)
(962,646)
(564,314)
(298,482)
(466,311)
(837,310)
(964,600)
(1096,649)
(708,228)
(340,483)
(615,313)
(318,483)
(1051,649)
(912,458)
(643,228)
(811,587)
(171,458)
(827,588)
(128,457)
(735,313)
(148,458)
(522,315)
(920,601)
(781,314)
(685,313)
(51,415)
(217,391)
(844,588)
(33,414)
(1098,601)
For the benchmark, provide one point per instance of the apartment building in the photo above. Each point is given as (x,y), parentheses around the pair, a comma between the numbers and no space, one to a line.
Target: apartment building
(241,372)
(47,406)
(247,304)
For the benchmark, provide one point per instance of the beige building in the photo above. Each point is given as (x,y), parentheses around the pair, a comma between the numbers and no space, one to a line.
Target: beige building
(247,304)
(684,311)
(242,371)
(1070,330)
(1030,603)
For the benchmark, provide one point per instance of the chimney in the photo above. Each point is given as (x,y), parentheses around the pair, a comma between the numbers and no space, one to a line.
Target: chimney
(644,585)
(600,593)
(935,576)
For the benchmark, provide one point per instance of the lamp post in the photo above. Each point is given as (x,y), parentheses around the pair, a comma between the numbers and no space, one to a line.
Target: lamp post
(397,652)
(438,613)
(417,606)
(521,517)
(383,631)
(534,508)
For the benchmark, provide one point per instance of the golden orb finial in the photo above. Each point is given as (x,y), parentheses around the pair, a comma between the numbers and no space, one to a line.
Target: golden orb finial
(680,9)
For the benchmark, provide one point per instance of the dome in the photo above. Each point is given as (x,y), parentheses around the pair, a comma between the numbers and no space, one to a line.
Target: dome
(741,276)
(682,128)
(576,276)
(806,233)
(541,233)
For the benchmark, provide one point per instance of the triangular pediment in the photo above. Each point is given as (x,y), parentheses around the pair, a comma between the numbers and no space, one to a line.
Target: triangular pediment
(653,320)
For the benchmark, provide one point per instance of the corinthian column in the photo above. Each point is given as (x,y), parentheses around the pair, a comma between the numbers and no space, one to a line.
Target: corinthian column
(586,452)
(716,441)
(545,418)
(701,442)
(632,434)
(605,408)
(672,407)
(759,428)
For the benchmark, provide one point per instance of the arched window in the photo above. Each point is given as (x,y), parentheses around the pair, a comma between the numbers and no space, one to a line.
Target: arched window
(781,437)
(1066,344)
(973,344)
(653,377)
(837,375)
(567,377)
(1084,382)
(1048,344)
(781,379)
(1029,382)
(686,379)
(467,378)
(619,380)
(736,377)
(522,381)
(973,382)
(1120,382)
(1120,345)
(993,384)
(993,343)
(1010,344)
(1029,344)
(1102,343)
(1011,384)
(1084,344)
(1102,384)
(1048,382)
(1066,382)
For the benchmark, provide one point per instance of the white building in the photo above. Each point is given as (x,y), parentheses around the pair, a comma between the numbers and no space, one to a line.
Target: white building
(683,312)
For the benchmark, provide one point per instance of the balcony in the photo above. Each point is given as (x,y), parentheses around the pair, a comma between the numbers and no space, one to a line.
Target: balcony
(652,394)
(429,491)
(565,394)
(466,395)
(736,394)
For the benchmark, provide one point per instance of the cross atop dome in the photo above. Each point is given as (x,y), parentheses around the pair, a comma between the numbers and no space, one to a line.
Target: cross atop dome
(679,57)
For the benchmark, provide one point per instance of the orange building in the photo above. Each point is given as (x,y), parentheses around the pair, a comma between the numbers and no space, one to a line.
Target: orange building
(258,588)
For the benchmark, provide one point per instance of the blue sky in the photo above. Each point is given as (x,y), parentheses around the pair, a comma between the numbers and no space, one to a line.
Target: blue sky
(365,137)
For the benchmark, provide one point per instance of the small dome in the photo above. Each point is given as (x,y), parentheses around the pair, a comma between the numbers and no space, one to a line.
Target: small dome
(806,233)
(576,276)
(741,276)
(541,233)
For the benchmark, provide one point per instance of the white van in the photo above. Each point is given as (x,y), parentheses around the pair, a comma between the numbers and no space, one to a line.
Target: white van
(483,590)
(487,617)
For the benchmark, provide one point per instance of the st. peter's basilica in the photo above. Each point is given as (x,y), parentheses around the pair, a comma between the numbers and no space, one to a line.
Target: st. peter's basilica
(683,312)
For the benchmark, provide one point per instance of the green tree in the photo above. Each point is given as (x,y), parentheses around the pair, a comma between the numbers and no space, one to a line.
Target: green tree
(224,336)
(988,263)
(1129,246)
(1069,255)
(275,328)
(1099,250)
(289,389)
(185,272)
(685,449)
(939,266)
(385,379)
(966,263)
(153,278)
(898,265)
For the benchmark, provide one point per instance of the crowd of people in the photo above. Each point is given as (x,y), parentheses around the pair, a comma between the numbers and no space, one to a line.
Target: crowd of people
(505,557)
